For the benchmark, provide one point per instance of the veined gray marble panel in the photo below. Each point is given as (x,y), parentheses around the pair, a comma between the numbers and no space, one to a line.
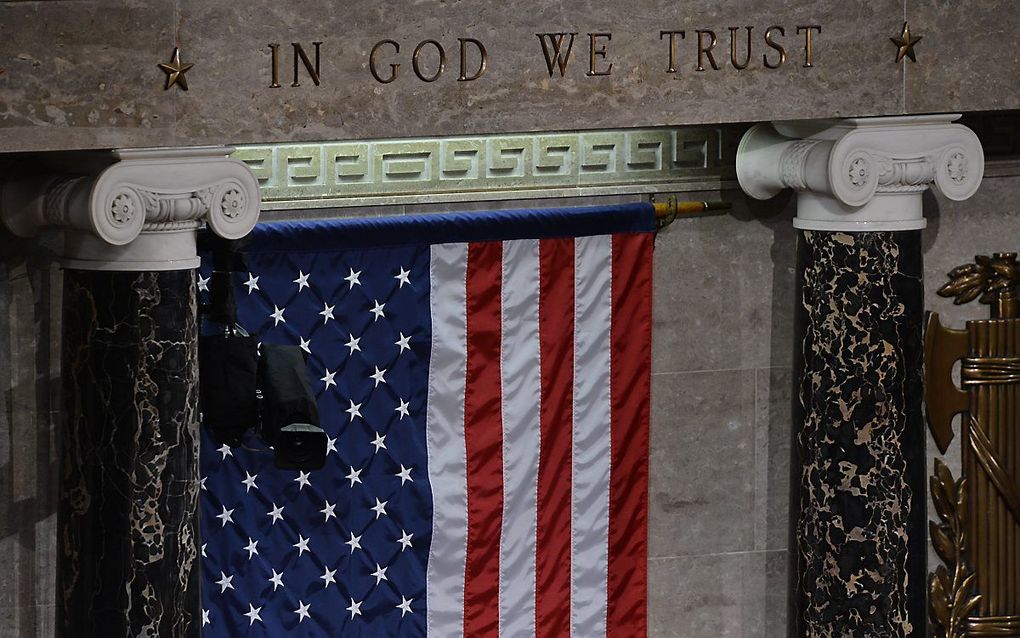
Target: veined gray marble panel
(849,75)
(84,74)
(30,309)
(772,441)
(724,287)
(719,595)
(701,463)
(968,58)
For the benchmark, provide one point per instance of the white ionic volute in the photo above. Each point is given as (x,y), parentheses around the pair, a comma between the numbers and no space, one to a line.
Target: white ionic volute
(861,174)
(139,210)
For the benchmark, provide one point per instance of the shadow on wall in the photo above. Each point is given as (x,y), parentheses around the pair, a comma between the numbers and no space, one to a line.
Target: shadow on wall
(777,215)
(30,311)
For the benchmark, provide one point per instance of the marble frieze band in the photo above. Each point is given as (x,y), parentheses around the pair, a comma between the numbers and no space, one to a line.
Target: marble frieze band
(379,172)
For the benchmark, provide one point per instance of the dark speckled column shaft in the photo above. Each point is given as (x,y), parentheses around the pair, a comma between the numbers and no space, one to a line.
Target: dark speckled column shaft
(859,464)
(128,517)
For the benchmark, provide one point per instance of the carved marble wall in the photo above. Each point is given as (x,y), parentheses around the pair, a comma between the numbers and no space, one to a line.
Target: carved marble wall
(93,81)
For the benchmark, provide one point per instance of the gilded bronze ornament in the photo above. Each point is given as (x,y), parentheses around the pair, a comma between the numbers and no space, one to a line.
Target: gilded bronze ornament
(977,591)
(905,43)
(950,596)
(175,71)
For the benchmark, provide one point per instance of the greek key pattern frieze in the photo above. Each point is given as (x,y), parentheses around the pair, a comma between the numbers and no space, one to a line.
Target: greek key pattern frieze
(374,171)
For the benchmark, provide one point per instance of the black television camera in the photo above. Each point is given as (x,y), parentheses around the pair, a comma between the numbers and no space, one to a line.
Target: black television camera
(241,387)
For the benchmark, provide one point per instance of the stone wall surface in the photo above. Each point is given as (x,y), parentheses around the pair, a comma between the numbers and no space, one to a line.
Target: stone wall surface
(84,74)
(722,381)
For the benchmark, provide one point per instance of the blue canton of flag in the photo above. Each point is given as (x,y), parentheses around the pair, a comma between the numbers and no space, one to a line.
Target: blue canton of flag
(342,550)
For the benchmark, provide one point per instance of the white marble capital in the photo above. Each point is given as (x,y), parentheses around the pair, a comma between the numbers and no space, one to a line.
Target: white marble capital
(861,174)
(140,209)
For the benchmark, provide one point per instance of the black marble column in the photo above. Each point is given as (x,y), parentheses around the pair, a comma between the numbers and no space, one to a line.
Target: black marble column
(858,535)
(128,515)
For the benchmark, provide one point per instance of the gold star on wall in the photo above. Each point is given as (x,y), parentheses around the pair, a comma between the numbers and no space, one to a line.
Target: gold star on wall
(175,71)
(906,44)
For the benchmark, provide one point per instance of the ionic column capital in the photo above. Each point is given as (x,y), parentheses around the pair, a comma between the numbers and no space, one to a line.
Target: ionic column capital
(141,210)
(861,174)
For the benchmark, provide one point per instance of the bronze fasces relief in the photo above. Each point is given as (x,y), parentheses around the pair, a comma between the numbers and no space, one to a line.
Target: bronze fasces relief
(977,591)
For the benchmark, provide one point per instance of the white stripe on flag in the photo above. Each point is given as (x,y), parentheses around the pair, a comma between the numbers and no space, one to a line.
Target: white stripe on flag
(521,390)
(445,433)
(591,436)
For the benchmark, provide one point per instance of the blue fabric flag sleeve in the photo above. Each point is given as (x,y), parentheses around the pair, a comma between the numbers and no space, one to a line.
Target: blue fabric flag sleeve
(410,230)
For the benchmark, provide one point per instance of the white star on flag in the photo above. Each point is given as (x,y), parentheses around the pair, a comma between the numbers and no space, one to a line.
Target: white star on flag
(203,283)
(353,344)
(330,444)
(404,343)
(354,410)
(276,513)
(355,608)
(328,511)
(379,442)
(302,545)
(404,474)
(378,375)
(302,480)
(249,482)
(355,542)
(379,508)
(302,611)
(253,614)
(327,313)
(402,409)
(304,345)
(225,516)
(204,545)
(252,547)
(327,576)
(377,310)
(252,283)
(353,279)
(225,582)
(301,281)
(201,483)
(354,476)
(405,606)
(276,579)
(277,315)
(380,574)
(225,451)
(328,379)
(402,277)
(205,617)
(404,540)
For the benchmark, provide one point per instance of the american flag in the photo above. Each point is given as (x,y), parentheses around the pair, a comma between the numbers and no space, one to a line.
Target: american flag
(484,383)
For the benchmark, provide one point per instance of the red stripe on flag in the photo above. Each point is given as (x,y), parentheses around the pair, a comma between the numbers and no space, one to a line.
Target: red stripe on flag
(556,329)
(630,386)
(483,439)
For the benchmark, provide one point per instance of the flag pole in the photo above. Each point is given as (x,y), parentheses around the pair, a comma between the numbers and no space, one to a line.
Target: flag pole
(667,212)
